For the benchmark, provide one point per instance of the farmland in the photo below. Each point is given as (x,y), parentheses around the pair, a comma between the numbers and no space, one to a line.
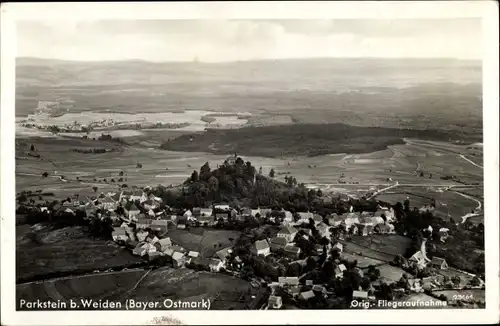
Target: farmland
(66,250)
(207,242)
(224,291)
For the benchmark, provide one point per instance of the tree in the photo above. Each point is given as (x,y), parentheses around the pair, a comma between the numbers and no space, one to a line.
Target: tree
(120,174)
(194,176)
(32,148)
(139,165)
(205,172)
(456,280)
(94,188)
(271,173)
(45,174)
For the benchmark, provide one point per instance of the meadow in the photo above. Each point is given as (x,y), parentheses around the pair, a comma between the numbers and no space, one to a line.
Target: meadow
(207,242)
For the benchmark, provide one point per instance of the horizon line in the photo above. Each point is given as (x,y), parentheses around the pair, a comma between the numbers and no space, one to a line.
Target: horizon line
(196,61)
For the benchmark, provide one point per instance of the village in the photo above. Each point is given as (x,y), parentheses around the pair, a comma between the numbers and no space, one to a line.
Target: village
(289,253)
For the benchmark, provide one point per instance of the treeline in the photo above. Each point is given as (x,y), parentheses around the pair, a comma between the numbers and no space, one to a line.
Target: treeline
(304,139)
(93,150)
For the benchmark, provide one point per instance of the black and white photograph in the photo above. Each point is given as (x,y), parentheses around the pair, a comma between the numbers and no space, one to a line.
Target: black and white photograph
(234,164)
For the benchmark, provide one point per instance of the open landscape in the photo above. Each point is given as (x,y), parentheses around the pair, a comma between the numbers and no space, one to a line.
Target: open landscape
(270,183)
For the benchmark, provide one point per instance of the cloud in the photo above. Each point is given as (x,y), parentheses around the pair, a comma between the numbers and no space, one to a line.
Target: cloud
(228,40)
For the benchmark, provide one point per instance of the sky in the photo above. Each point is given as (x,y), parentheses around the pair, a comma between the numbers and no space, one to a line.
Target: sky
(234,40)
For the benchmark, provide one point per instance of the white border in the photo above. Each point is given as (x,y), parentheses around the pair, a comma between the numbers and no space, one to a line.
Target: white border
(488,10)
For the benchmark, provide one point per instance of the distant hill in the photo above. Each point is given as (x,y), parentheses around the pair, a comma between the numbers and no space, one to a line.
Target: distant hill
(402,93)
(304,140)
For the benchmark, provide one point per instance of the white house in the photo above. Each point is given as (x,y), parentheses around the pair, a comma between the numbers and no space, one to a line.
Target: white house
(275,302)
(119,234)
(339,271)
(261,247)
(215,265)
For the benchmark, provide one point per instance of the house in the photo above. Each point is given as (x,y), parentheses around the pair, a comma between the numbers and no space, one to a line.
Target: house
(143,197)
(119,234)
(334,219)
(193,254)
(264,212)
(414,285)
(323,230)
(181,222)
(251,212)
(187,214)
(306,295)
(288,281)
(223,216)
(131,210)
(278,243)
(292,251)
(233,213)
(350,219)
(304,217)
(274,302)
(359,295)
(439,263)
(261,247)
(206,220)
(287,232)
(142,235)
(385,212)
(143,223)
(317,219)
(139,250)
(365,229)
(154,255)
(107,203)
(382,228)
(309,282)
(419,259)
(231,160)
(288,217)
(215,265)
(222,207)
(125,195)
(135,195)
(338,246)
(178,259)
(150,204)
(443,234)
(224,254)
(159,226)
(163,244)
(339,271)
(198,211)
(152,239)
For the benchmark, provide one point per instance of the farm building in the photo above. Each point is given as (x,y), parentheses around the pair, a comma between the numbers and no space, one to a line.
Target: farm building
(193,254)
(223,216)
(334,219)
(419,259)
(178,259)
(287,232)
(187,214)
(198,211)
(159,225)
(251,212)
(181,222)
(152,239)
(139,250)
(274,302)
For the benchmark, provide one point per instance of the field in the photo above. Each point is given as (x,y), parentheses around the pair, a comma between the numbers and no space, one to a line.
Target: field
(225,292)
(363,261)
(66,250)
(382,247)
(389,274)
(207,242)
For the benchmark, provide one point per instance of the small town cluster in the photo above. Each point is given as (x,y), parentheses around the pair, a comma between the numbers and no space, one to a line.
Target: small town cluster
(141,223)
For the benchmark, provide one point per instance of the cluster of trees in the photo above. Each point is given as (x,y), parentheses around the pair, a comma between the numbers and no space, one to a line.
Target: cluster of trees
(459,249)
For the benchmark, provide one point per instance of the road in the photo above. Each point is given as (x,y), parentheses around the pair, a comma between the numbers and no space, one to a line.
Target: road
(135,286)
(471,162)
(384,189)
(477,209)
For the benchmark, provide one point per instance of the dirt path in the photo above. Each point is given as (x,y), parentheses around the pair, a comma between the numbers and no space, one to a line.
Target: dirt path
(478,208)
(471,162)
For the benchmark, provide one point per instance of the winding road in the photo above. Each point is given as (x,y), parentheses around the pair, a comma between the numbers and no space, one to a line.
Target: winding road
(471,162)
